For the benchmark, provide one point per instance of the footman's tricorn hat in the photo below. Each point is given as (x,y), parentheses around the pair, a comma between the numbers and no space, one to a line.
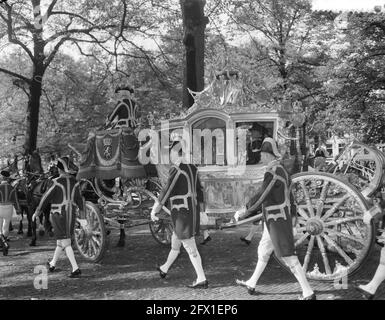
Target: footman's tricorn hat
(270,146)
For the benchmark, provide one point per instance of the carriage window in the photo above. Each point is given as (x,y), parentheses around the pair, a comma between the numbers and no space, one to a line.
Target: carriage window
(329,149)
(209,142)
(256,131)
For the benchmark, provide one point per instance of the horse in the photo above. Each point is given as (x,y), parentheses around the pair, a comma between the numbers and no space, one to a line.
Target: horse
(30,189)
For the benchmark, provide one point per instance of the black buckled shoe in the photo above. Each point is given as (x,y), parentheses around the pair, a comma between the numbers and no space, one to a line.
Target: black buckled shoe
(5,249)
(206,240)
(250,290)
(365,294)
(311,297)
(161,273)
(75,274)
(50,268)
(199,285)
(245,240)
(5,245)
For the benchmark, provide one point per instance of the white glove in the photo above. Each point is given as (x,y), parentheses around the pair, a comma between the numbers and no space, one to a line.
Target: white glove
(153,216)
(367,217)
(239,214)
(373,211)
(35,216)
(155,210)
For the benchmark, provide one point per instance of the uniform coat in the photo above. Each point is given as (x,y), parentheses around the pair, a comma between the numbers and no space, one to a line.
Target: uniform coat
(275,199)
(184,193)
(8,199)
(63,195)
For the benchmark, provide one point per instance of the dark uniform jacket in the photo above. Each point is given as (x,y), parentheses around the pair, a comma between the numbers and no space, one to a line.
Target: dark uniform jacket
(63,195)
(184,193)
(276,202)
(124,114)
(8,195)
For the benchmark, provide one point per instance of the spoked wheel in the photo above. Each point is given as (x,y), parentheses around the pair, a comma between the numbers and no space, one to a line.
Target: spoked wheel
(162,229)
(331,239)
(90,233)
(362,166)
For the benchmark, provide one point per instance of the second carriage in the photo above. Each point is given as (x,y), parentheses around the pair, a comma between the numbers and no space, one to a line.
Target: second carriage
(119,190)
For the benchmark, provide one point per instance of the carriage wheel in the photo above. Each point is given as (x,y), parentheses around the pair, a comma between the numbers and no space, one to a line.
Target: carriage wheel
(90,233)
(362,166)
(162,229)
(331,240)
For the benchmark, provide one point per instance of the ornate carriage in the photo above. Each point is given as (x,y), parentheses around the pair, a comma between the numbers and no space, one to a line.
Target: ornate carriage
(119,191)
(331,238)
(223,135)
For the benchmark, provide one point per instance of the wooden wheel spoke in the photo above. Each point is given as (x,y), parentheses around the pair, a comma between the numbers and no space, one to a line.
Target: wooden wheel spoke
(338,221)
(307,198)
(302,213)
(94,246)
(300,229)
(300,220)
(334,208)
(341,252)
(96,240)
(344,235)
(324,255)
(301,239)
(308,253)
(322,199)
(85,246)
(90,247)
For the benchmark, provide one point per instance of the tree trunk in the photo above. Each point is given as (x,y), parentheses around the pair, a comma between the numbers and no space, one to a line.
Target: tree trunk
(35,87)
(35,90)
(194,24)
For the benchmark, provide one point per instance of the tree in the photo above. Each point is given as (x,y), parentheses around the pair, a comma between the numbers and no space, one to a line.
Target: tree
(357,78)
(82,23)
(194,24)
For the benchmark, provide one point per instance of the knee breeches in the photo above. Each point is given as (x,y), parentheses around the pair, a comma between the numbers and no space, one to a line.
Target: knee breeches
(188,244)
(63,243)
(265,247)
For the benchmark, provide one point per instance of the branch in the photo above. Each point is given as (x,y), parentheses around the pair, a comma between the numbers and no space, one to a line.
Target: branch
(50,8)
(54,51)
(11,31)
(16,75)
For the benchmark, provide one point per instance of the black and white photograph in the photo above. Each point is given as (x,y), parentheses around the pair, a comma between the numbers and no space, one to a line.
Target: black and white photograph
(196,155)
